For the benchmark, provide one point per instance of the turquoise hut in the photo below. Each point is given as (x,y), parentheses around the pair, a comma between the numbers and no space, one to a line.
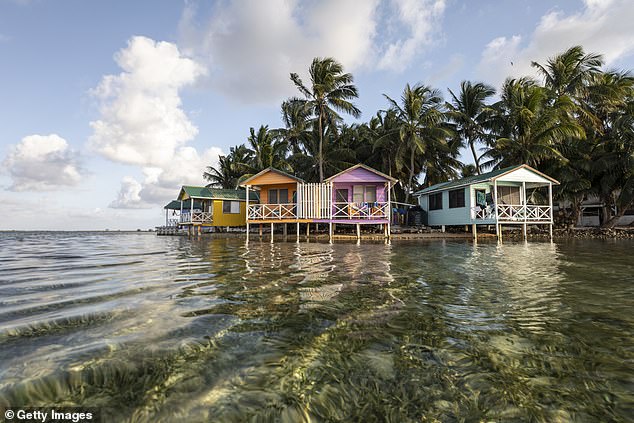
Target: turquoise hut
(517,195)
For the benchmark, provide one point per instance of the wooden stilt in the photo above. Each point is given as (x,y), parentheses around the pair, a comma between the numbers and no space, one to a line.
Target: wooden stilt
(500,232)
(524,231)
(442,228)
(247,231)
(550,230)
(260,230)
(474,231)
(358,231)
(297,233)
(307,230)
(330,231)
(272,230)
(285,231)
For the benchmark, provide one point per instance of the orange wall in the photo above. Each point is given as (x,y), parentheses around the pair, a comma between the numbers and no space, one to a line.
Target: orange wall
(270,178)
(264,192)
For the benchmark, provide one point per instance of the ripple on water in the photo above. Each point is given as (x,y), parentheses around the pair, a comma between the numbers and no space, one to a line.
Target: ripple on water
(167,328)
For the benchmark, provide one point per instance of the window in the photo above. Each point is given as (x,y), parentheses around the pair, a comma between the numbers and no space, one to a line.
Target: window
(435,201)
(278,196)
(357,193)
(456,198)
(509,195)
(272,196)
(283,196)
(363,193)
(230,207)
(370,193)
(341,196)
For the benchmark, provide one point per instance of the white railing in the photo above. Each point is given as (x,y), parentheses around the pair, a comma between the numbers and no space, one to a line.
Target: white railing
(376,210)
(529,213)
(196,217)
(172,222)
(272,211)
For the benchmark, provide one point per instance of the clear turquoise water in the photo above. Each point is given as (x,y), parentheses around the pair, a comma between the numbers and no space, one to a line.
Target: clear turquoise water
(154,328)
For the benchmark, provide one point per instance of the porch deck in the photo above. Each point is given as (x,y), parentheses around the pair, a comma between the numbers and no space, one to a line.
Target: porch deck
(505,213)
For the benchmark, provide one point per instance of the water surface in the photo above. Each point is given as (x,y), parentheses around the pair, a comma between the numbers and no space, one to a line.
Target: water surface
(154,328)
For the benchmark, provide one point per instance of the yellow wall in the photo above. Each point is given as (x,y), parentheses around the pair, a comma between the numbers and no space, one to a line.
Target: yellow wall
(221,219)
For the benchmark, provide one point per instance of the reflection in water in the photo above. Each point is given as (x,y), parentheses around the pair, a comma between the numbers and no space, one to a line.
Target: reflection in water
(168,329)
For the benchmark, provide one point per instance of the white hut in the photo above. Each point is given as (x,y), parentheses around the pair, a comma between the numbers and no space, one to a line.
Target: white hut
(501,197)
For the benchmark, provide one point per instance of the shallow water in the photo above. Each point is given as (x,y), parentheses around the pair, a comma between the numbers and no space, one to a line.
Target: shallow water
(151,328)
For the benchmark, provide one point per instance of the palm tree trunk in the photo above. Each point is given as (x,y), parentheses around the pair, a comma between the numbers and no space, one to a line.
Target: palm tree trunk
(475,155)
(612,221)
(411,176)
(321,150)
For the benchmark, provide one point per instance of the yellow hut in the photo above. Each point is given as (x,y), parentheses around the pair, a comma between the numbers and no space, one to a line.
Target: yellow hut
(212,207)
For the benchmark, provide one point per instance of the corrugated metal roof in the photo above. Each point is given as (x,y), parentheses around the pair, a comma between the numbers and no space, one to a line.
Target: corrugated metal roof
(469,180)
(219,193)
(176,205)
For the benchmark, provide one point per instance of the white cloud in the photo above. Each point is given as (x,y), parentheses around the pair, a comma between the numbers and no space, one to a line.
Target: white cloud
(160,185)
(42,163)
(421,18)
(602,26)
(141,120)
(252,46)
(129,195)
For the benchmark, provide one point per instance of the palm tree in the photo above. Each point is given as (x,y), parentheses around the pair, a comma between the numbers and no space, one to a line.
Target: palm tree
(337,155)
(296,115)
(420,124)
(568,73)
(529,128)
(470,113)
(266,151)
(330,91)
(229,169)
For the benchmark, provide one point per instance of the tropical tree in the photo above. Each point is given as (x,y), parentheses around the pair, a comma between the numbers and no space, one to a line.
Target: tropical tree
(470,113)
(336,155)
(330,91)
(421,124)
(229,169)
(569,72)
(296,116)
(529,127)
(266,151)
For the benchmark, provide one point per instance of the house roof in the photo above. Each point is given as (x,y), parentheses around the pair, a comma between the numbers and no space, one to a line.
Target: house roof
(176,205)
(270,169)
(485,177)
(217,193)
(361,165)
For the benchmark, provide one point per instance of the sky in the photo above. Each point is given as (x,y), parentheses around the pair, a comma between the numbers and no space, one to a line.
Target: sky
(108,107)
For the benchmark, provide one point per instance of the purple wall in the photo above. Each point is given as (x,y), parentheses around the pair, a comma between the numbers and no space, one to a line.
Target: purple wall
(359,175)
(381,194)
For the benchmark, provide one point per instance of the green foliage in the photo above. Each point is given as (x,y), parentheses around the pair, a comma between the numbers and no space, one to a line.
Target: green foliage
(576,125)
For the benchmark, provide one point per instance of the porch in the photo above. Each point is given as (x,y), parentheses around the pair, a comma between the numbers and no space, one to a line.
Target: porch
(189,217)
(508,213)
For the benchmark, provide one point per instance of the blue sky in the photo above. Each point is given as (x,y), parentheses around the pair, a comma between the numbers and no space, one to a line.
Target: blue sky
(108,107)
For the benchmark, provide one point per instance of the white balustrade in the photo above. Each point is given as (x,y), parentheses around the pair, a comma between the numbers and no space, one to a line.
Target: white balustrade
(272,211)
(509,212)
(196,217)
